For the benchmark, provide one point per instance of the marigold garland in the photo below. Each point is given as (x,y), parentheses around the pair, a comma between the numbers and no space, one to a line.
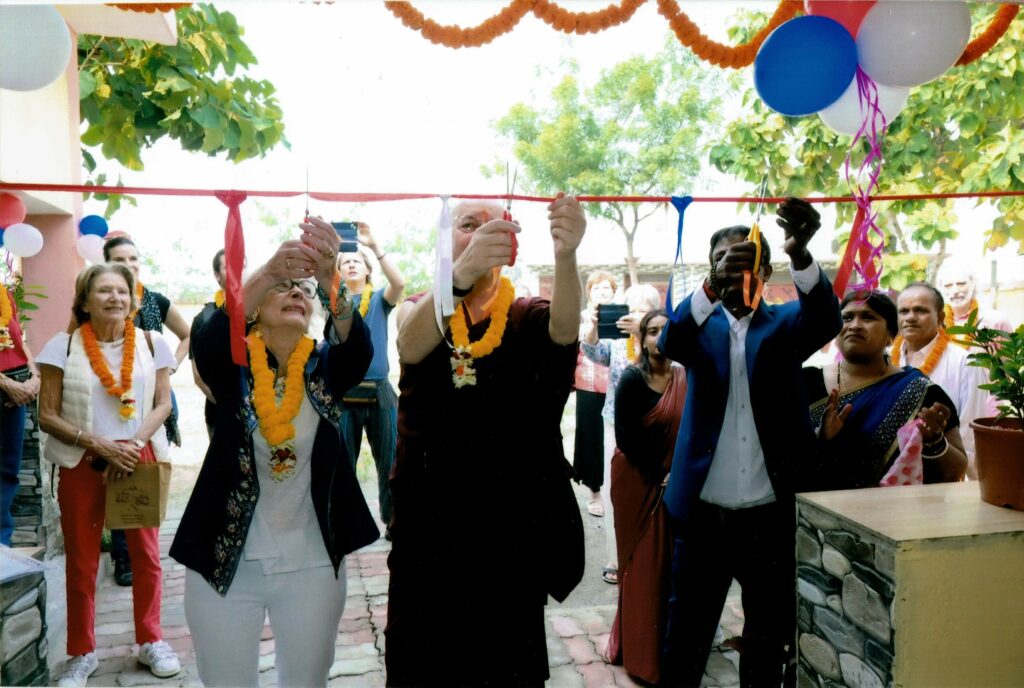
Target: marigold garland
(466,352)
(990,36)
(950,321)
(99,365)
(276,419)
(686,30)
(218,298)
(631,349)
(6,313)
(931,360)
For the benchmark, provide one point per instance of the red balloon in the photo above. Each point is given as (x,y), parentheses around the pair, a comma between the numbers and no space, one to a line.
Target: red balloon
(849,13)
(12,210)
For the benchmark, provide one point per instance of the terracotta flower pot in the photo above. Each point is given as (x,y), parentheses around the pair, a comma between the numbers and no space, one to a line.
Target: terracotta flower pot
(999,450)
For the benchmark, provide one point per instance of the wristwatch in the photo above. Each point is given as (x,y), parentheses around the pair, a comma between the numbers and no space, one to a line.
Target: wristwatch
(138,443)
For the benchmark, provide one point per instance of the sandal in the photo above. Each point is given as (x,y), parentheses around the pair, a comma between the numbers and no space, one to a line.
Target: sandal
(610,575)
(595,508)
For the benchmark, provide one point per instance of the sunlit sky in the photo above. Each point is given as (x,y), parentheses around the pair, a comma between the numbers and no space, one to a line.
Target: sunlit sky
(371,106)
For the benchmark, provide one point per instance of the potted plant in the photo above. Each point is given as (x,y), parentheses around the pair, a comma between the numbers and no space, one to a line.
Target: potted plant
(999,441)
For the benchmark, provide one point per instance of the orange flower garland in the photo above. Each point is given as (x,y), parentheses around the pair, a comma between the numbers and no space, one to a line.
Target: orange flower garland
(276,420)
(689,34)
(950,320)
(931,360)
(218,298)
(98,362)
(990,36)
(585,22)
(466,352)
(456,36)
(631,349)
(6,313)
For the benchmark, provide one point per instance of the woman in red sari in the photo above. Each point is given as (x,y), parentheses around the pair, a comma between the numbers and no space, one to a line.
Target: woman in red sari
(648,406)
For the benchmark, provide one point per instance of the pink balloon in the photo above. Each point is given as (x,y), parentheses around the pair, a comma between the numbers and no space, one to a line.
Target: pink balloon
(849,13)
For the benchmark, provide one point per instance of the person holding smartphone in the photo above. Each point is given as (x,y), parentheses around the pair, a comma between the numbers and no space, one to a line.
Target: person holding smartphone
(372,405)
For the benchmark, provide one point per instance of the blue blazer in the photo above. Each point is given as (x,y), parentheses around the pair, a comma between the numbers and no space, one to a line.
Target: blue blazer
(779,339)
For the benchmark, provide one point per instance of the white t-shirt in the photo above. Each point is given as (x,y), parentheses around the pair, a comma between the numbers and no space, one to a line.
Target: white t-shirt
(106,416)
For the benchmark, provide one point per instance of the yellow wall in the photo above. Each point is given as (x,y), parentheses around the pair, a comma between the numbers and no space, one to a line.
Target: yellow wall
(959,612)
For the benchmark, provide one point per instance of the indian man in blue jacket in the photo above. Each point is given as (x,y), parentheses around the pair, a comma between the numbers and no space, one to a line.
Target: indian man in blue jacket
(744,431)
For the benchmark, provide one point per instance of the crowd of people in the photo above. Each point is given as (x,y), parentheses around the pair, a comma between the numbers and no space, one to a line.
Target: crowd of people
(685,445)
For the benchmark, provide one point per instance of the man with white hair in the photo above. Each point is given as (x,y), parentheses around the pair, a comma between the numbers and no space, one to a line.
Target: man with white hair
(959,285)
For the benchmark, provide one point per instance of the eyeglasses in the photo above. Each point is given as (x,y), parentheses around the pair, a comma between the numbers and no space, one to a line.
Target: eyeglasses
(306,287)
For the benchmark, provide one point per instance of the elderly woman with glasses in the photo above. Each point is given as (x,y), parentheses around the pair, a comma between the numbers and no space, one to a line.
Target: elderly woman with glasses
(277,504)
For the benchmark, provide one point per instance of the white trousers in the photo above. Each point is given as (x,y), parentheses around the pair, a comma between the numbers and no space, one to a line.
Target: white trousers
(305,609)
(606,493)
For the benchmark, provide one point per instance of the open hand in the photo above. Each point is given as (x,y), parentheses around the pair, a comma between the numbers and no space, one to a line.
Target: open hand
(834,419)
(320,236)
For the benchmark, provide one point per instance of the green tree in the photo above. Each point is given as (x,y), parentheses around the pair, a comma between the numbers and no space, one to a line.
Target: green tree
(641,129)
(412,249)
(133,93)
(962,132)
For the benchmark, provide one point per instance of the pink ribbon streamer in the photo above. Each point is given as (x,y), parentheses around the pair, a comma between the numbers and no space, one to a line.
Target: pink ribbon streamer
(867,239)
(908,468)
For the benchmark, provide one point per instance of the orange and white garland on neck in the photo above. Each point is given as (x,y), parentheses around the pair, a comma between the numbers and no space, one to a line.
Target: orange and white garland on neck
(364,300)
(218,298)
(465,351)
(98,361)
(950,321)
(933,357)
(276,420)
(6,313)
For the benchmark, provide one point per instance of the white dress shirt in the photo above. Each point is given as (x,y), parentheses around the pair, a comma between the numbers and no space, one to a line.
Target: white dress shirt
(738,477)
(960,382)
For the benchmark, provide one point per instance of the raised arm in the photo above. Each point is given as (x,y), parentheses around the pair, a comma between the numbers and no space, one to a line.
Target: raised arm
(568,225)
(396,280)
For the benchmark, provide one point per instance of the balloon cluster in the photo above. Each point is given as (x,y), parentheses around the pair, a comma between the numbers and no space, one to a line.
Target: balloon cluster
(810,63)
(92,229)
(35,46)
(20,239)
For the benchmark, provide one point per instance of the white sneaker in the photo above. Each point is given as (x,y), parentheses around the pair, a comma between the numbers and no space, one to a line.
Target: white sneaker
(77,670)
(160,657)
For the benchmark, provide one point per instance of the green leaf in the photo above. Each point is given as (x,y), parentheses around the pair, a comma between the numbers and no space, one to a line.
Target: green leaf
(86,84)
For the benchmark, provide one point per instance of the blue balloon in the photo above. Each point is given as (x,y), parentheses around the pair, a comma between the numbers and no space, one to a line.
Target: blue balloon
(1,236)
(805,65)
(93,224)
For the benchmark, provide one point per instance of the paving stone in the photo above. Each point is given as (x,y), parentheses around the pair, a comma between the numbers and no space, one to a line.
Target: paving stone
(834,562)
(808,549)
(355,651)
(266,647)
(109,665)
(558,653)
(565,626)
(356,612)
(865,607)
(721,671)
(581,649)
(376,585)
(356,666)
(267,662)
(597,675)
(565,677)
(363,635)
(852,546)
(19,630)
(857,674)
(819,655)
(592,621)
(842,634)
(622,679)
(114,651)
(600,642)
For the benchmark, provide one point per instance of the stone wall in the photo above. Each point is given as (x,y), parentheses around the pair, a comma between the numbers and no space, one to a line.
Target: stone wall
(23,644)
(845,598)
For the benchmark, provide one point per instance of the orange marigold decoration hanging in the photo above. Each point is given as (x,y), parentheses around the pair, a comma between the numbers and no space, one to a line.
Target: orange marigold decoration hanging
(718,54)
(949,320)
(98,361)
(990,36)
(585,22)
(466,352)
(456,36)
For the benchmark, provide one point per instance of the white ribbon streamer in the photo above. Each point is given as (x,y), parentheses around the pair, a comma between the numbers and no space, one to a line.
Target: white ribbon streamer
(444,301)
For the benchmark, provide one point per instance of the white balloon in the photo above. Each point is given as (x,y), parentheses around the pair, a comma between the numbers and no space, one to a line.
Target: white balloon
(23,240)
(35,46)
(847,114)
(90,247)
(905,43)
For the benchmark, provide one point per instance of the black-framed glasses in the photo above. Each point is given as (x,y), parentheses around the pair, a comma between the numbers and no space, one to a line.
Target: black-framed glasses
(306,287)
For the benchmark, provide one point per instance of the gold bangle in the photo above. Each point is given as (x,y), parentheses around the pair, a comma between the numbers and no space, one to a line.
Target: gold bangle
(77,437)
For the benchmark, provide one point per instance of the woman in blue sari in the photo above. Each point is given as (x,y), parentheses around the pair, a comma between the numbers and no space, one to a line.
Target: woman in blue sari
(860,403)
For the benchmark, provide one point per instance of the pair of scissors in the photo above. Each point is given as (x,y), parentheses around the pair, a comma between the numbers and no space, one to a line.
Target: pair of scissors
(755,236)
(507,214)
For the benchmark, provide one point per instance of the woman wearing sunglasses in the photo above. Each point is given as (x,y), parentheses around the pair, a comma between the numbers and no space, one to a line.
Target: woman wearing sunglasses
(277,505)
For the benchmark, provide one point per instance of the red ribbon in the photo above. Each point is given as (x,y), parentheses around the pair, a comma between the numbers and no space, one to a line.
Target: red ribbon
(234,256)
(846,266)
